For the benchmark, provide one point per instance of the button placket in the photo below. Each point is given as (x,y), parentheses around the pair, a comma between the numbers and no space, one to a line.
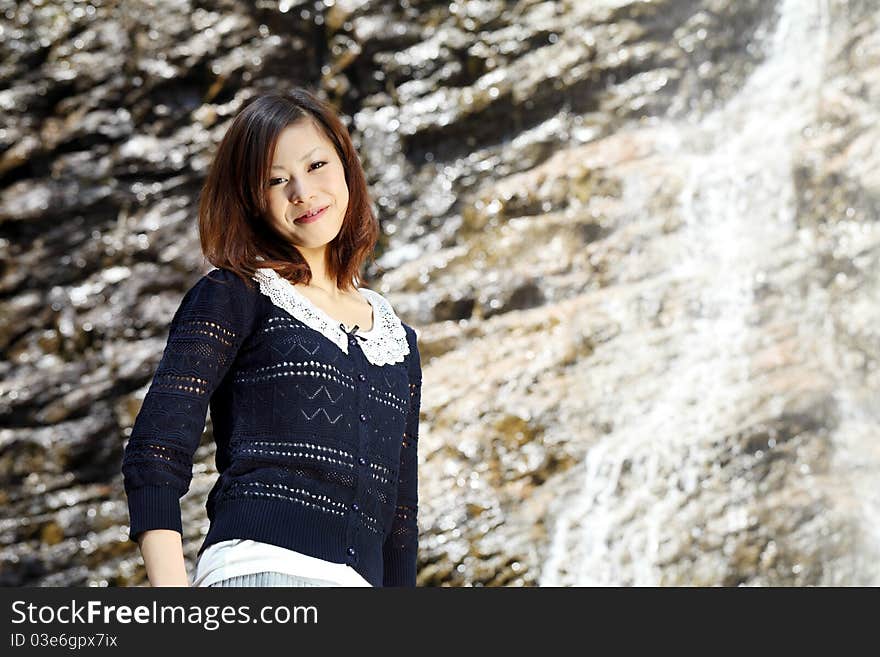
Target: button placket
(360,362)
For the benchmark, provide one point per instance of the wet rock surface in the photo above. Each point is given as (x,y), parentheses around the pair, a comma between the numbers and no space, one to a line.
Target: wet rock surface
(639,241)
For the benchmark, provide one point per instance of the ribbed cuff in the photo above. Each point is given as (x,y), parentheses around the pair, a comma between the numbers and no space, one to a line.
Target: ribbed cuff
(399,567)
(153,507)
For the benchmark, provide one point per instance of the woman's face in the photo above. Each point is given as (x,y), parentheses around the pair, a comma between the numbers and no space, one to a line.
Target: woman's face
(306,175)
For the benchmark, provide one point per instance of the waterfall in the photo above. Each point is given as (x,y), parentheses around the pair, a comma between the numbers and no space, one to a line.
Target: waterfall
(660,502)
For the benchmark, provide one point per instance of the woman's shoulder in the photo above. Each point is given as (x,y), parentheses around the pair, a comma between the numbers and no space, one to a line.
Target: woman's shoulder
(386,305)
(220,293)
(227,285)
(224,276)
(408,331)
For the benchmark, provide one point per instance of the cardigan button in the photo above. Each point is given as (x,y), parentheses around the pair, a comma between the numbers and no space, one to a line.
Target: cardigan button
(362,376)
(362,460)
(363,417)
(355,507)
(351,550)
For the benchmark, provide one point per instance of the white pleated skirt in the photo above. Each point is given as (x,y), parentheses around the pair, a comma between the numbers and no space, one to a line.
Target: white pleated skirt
(269,578)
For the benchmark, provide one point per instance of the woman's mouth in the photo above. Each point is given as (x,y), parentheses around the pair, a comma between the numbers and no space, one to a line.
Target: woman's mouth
(311,217)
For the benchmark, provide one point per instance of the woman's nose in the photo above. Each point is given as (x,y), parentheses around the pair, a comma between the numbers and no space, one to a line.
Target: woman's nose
(298,192)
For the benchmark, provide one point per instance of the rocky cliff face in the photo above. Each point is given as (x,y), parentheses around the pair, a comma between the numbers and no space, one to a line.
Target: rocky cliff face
(639,239)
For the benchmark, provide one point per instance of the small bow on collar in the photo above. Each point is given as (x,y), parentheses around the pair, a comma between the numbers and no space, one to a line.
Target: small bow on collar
(352,331)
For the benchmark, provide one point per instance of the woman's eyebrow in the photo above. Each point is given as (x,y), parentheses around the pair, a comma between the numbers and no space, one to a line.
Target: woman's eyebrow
(305,157)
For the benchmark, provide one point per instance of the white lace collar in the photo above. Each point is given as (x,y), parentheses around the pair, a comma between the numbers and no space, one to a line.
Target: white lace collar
(385,343)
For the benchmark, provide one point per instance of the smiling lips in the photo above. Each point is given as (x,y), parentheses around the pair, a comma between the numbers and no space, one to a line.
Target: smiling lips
(311,216)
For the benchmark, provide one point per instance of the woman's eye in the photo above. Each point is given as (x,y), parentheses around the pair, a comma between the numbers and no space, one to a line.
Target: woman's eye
(274,181)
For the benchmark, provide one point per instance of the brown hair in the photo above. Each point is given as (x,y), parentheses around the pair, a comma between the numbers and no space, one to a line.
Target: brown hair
(232,205)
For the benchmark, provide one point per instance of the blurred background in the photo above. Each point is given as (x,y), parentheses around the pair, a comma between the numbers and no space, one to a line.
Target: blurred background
(639,241)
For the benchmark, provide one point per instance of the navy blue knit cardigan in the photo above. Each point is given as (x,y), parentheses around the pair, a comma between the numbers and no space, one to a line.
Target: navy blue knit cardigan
(316,444)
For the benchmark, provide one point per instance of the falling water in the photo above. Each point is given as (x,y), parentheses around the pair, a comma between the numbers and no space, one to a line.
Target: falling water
(633,517)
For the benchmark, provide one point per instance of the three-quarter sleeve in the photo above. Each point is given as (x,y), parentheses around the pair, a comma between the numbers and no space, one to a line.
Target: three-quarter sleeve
(206,332)
(400,550)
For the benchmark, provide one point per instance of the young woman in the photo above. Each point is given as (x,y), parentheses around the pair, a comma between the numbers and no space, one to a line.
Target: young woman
(313,382)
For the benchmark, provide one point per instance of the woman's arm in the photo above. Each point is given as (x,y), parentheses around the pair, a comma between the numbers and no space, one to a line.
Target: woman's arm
(162,550)
(400,550)
(214,318)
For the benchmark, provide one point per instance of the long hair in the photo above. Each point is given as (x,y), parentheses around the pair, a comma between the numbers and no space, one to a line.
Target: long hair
(233,227)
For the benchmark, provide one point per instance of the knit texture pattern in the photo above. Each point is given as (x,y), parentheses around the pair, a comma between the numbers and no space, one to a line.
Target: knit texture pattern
(316,442)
